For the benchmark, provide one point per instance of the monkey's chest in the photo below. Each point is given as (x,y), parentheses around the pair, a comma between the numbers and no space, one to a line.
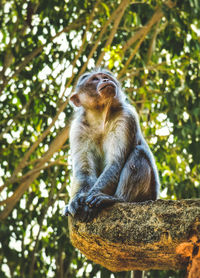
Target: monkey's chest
(97,136)
(97,140)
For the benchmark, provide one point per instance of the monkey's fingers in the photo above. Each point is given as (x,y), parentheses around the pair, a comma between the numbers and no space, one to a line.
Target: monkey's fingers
(95,200)
(106,201)
(90,201)
(81,200)
(102,200)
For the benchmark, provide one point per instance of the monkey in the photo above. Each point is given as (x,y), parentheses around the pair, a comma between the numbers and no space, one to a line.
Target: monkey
(111,160)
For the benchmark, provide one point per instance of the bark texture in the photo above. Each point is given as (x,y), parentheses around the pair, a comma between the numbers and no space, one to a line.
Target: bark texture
(151,235)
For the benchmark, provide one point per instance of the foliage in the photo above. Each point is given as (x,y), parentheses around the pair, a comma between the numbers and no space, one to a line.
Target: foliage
(153,47)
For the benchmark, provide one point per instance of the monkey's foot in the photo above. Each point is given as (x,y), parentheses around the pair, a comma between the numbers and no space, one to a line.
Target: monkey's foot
(86,214)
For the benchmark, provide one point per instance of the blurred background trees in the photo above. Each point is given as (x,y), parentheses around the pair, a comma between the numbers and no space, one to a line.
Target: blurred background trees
(153,47)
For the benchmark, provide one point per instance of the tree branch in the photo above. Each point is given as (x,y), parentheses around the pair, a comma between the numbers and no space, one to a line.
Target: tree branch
(38,50)
(136,71)
(24,160)
(149,235)
(83,45)
(122,72)
(155,18)
(141,34)
(103,30)
(51,201)
(123,6)
(55,146)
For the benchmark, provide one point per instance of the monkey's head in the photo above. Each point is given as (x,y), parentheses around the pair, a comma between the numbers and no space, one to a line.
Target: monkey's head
(96,89)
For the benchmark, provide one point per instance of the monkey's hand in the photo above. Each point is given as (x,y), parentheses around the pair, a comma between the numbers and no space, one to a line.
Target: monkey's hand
(99,199)
(79,210)
(74,206)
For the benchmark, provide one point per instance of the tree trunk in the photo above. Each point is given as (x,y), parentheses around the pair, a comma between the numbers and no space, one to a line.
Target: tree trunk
(163,234)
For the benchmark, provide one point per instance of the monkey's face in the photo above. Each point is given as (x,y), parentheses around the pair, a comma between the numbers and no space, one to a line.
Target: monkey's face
(95,90)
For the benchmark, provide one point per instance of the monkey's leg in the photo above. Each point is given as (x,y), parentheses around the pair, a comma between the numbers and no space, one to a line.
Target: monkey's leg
(135,184)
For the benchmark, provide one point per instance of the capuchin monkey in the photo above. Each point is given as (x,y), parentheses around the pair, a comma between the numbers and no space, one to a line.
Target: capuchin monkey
(111,159)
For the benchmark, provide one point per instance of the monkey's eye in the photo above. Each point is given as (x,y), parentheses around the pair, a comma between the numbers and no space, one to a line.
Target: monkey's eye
(95,78)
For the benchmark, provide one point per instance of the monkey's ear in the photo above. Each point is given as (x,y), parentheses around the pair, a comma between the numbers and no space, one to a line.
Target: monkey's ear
(75,99)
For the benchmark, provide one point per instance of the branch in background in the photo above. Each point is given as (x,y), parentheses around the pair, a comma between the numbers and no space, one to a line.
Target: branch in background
(24,160)
(51,201)
(38,50)
(132,89)
(123,7)
(82,46)
(148,59)
(19,114)
(136,71)
(152,45)
(37,169)
(123,71)
(22,188)
(54,147)
(103,30)
(141,34)
(156,17)
(145,30)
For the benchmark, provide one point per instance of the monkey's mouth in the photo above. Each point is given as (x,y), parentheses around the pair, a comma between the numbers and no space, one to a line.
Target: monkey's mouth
(103,86)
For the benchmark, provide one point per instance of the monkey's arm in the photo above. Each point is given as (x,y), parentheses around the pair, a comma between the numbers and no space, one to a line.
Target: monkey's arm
(83,157)
(84,177)
(84,171)
(82,182)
